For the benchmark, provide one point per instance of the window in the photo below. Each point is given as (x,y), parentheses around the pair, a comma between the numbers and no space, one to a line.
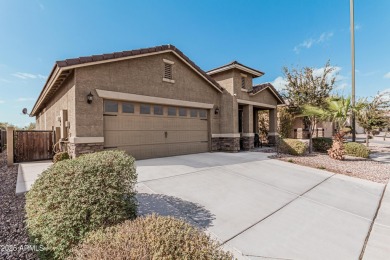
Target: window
(145,109)
(242,82)
(194,113)
(202,113)
(172,111)
(110,106)
(182,112)
(127,108)
(158,110)
(168,71)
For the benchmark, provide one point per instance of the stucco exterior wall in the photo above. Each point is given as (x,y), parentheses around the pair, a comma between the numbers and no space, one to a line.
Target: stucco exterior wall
(229,107)
(142,76)
(64,98)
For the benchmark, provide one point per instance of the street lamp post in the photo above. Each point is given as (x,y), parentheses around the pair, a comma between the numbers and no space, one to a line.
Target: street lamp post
(353,68)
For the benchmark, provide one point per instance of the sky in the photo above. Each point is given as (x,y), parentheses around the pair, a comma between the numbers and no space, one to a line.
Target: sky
(264,34)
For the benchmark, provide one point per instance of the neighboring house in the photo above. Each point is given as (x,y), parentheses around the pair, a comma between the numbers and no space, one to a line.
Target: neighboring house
(301,131)
(153,102)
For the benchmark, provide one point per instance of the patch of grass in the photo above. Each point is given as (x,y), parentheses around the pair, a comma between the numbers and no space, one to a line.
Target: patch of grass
(290,160)
(321,167)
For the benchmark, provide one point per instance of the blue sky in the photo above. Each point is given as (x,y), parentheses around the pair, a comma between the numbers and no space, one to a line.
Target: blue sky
(263,34)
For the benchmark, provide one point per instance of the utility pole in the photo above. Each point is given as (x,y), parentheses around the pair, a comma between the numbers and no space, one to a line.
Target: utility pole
(353,68)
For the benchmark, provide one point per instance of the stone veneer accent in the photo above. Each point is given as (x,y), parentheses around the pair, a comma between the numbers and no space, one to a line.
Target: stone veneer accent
(76,150)
(229,144)
(248,142)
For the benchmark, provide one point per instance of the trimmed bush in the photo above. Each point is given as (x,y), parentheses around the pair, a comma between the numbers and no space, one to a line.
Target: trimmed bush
(60,157)
(292,146)
(76,196)
(151,237)
(322,144)
(357,150)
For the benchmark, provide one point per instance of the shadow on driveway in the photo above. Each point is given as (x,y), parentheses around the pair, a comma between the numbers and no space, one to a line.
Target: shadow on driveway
(165,205)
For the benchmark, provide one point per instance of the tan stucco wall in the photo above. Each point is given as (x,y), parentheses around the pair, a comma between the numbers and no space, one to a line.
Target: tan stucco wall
(64,98)
(229,107)
(142,76)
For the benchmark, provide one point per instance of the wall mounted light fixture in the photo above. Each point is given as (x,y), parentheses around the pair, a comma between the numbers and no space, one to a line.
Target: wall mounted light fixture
(89,98)
(216,111)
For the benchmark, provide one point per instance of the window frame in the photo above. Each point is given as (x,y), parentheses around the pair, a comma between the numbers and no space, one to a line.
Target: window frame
(140,109)
(113,101)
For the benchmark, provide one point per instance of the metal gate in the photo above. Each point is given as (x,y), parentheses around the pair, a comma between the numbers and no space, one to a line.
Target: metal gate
(33,145)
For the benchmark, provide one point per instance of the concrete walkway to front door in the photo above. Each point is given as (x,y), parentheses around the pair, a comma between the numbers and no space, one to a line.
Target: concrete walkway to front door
(262,208)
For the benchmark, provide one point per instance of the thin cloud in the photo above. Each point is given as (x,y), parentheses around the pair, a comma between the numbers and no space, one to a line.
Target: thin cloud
(2,101)
(358,27)
(307,44)
(23,75)
(22,99)
(279,83)
(387,75)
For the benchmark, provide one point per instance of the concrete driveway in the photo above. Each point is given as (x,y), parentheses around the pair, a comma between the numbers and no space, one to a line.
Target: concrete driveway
(262,208)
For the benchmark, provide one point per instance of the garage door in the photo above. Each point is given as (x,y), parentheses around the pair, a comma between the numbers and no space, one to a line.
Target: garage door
(150,131)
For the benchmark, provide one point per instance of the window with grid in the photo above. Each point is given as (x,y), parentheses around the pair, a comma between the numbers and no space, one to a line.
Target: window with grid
(168,71)
(144,109)
(158,110)
(172,111)
(127,108)
(242,82)
(110,106)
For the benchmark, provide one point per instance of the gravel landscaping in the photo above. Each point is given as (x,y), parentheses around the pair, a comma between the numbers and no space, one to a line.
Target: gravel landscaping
(352,166)
(13,235)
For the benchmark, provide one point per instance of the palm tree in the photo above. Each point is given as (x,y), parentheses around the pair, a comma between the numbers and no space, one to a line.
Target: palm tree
(335,109)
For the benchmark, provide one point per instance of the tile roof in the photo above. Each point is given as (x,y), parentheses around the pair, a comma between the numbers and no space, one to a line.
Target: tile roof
(235,63)
(260,87)
(115,55)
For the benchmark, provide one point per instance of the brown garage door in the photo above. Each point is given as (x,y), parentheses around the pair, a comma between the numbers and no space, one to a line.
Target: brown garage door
(150,131)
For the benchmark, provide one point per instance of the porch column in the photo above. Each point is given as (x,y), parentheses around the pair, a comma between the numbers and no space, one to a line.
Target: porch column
(10,146)
(247,127)
(273,125)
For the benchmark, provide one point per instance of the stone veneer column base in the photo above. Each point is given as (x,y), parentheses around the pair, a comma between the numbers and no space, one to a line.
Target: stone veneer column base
(76,150)
(248,142)
(229,144)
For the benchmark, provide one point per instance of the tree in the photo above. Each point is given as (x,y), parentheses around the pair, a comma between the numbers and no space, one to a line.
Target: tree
(307,86)
(30,126)
(4,125)
(374,114)
(337,110)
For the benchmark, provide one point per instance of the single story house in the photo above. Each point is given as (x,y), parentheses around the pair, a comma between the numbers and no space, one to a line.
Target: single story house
(153,102)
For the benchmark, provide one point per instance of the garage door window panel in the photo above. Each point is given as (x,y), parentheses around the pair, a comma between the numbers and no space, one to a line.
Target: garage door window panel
(110,106)
(158,110)
(202,113)
(145,109)
(182,111)
(172,111)
(194,113)
(127,108)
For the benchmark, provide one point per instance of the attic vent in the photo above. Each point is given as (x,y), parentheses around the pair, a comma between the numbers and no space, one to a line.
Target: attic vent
(242,82)
(168,71)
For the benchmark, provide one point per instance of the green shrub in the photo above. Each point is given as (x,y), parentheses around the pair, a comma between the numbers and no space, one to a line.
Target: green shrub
(356,149)
(292,146)
(76,196)
(60,157)
(151,237)
(322,144)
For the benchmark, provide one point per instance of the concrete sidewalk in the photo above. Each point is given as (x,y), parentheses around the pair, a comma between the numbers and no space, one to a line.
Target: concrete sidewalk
(28,172)
(379,240)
